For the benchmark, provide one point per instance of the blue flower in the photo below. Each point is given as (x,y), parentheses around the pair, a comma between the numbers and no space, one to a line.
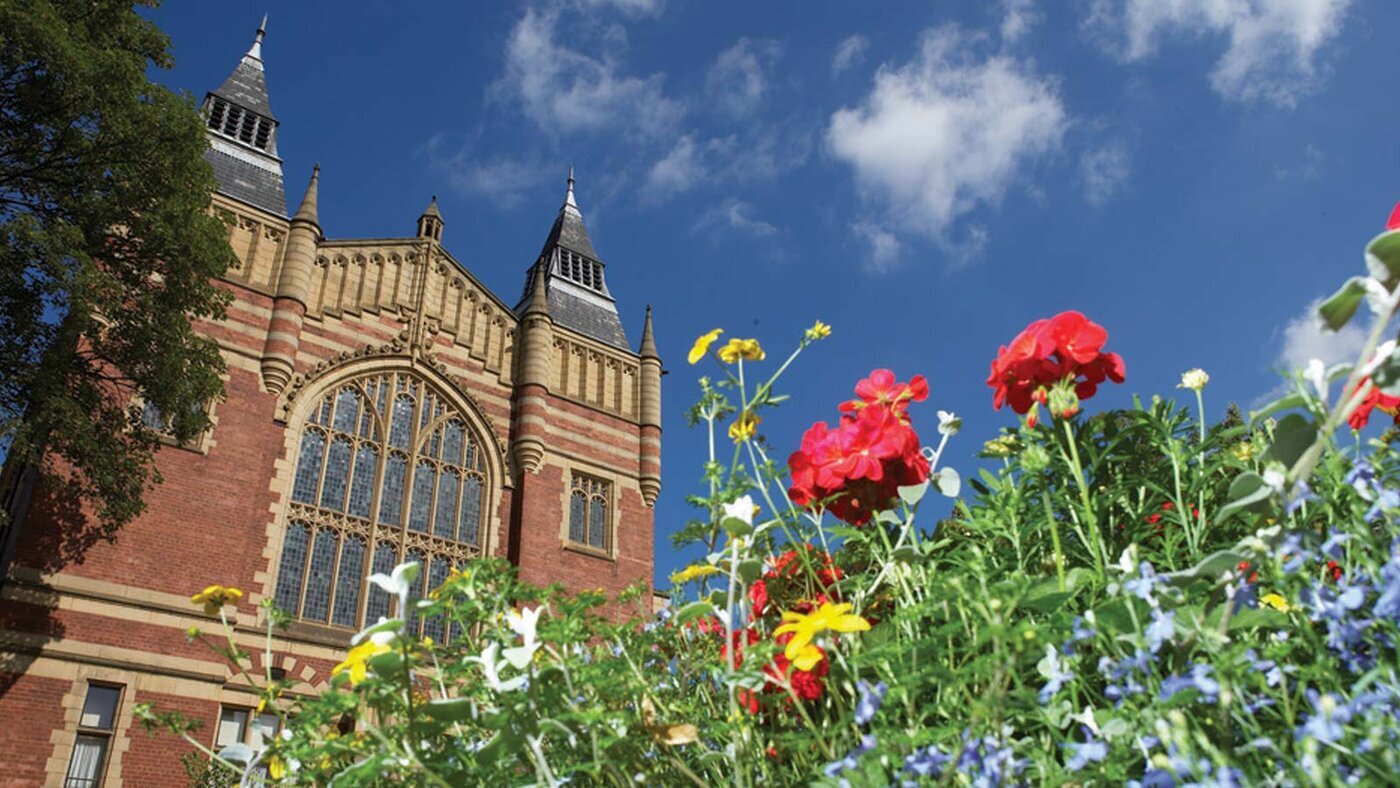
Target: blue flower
(1332,548)
(1326,723)
(927,762)
(1079,634)
(1052,669)
(1198,679)
(870,700)
(849,763)
(1385,499)
(1143,585)
(1388,603)
(1123,675)
(1160,630)
(1294,552)
(1081,754)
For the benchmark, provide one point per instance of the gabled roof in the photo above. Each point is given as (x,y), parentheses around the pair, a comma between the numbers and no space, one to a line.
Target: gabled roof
(247,85)
(590,311)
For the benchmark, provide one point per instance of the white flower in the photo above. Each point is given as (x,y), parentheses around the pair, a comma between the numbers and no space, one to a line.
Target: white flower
(523,624)
(490,669)
(1382,353)
(1194,379)
(948,423)
(398,584)
(742,510)
(1316,373)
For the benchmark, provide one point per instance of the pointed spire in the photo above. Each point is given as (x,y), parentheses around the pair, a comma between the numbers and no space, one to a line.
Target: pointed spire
(307,211)
(539,300)
(430,223)
(648,349)
(255,51)
(569,198)
(432,209)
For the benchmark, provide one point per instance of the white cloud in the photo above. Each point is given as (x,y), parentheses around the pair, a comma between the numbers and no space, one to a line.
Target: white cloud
(737,80)
(883,246)
(945,133)
(1309,168)
(850,52)
(737,215)
(1272,54)
(501,180)
(630,7)
(679,171)
(1103,170)
(1304,338)
(1019,17)
(564,90)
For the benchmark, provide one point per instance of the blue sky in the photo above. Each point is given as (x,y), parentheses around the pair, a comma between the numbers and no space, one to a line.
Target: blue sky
(925,177)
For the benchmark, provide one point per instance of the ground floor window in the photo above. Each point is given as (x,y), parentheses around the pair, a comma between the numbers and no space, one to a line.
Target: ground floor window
(94,741)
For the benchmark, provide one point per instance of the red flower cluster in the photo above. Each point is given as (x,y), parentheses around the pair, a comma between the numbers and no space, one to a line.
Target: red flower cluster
(868,457)
(1065,348)
(806,684)
(1375,400)
(785,575)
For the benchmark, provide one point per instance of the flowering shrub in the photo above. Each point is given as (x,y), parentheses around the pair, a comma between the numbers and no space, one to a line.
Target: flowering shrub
(1126,597)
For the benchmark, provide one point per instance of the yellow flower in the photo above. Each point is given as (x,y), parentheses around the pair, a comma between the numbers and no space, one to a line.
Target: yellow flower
(819,330)
(1194,379)
(744,427)
(747,349)
(702,345)
(1244,451)
(276,768)
(837,618)
(807,658)
(357,661)
(1276,602)
(214,598)
(693,572)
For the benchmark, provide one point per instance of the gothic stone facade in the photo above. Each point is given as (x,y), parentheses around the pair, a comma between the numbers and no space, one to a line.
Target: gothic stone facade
(381,405)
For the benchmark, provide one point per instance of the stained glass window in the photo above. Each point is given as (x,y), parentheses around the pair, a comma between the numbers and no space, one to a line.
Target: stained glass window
(588,511)
(318,575)
(289,573)
(433,626)
(348,580)
(384,460)
(308,467)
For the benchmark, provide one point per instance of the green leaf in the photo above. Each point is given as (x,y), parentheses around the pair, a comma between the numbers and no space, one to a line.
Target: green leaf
(1383,258)
(1337,310)
(735,527)
(386,664)
(750,570)
(912,494)
(1286,402)
(694,611)
(449,709)
(1248,492)
(949,483)
(1212,567)
(1293,435)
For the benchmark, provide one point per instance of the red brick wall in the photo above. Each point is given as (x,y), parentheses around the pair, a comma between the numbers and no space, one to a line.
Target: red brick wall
(30,710)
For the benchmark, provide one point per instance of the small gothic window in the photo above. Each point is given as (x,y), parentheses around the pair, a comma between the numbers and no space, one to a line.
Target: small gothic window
(386,471)
(588,511)
(217,108)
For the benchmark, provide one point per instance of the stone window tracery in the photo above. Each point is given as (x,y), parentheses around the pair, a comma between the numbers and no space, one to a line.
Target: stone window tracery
(387,470)
(588,511)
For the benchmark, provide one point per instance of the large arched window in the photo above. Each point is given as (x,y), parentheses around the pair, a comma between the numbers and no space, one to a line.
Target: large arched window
(386,471)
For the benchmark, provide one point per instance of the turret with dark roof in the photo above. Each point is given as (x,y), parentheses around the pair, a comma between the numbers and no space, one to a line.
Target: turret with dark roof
(576,289)
(243,134)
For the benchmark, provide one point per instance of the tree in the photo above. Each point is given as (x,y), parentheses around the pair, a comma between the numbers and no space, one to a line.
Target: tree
(108,251)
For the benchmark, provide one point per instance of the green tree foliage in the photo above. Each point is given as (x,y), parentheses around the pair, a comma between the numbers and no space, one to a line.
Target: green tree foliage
(107,250)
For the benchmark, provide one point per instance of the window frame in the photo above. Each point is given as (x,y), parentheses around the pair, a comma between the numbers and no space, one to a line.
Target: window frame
(610,489)
(442,433)
(199,444)
(108,735)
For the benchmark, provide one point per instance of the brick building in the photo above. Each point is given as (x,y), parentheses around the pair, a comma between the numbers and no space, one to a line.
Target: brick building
(381,405)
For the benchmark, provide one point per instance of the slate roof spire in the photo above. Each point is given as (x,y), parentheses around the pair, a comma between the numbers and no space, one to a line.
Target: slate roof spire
(577,290)
(242,134)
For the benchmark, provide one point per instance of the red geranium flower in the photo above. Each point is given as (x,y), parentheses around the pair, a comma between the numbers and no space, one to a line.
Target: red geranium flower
(1375,400)
(868,456)
(1068,349)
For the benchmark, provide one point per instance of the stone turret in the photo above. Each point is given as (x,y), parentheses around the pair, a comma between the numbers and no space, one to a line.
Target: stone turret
(289,303)
(534,362)
(649,465)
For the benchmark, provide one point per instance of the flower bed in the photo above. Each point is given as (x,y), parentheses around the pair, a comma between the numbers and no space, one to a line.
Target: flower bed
(1131,596)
